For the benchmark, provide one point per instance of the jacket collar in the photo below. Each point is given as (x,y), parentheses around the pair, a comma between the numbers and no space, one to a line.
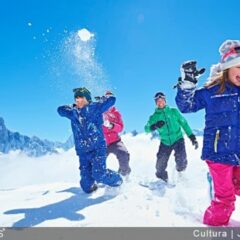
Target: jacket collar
(162,109)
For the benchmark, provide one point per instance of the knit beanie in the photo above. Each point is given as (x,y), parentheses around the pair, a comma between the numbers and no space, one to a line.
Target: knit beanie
(230,54)
(82,92)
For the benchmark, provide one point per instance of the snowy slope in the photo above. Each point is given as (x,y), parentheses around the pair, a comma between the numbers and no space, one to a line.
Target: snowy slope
(45,192)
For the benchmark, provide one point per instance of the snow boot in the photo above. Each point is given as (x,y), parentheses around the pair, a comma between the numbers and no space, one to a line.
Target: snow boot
(93,188)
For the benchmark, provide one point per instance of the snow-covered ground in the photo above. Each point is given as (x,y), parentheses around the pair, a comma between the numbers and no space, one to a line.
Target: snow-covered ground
(45,192)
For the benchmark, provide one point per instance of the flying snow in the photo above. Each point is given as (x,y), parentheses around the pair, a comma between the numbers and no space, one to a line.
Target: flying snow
(84,34)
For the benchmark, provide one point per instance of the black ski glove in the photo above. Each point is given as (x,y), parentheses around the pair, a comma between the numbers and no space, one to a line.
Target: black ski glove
(190,74)
(194,141)
(98,98)
(157,125)
(72,105)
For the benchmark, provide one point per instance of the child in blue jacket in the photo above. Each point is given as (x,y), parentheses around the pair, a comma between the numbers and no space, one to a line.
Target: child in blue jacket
(86,121)
(220,98)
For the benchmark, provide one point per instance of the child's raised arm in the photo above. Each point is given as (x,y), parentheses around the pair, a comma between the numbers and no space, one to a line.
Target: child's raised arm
(189,99)
(106,103)
(66,111)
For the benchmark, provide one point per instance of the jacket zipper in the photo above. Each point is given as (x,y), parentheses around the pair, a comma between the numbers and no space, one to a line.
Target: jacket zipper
(82,122)
(217,135)
(167,127)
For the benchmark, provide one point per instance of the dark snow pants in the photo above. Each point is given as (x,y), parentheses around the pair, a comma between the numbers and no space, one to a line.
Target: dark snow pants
(163,155)
(93,168)
(120,151)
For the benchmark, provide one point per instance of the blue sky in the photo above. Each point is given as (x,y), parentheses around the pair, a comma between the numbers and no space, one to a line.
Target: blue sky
(140,45)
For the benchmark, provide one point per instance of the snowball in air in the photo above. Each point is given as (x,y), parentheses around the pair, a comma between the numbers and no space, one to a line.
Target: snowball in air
(84,34)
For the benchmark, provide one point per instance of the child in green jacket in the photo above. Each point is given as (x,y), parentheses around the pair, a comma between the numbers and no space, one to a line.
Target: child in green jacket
(169,123)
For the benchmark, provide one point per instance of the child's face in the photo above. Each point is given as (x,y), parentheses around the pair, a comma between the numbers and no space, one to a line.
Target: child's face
(81,102)
(161,103)
(234,75)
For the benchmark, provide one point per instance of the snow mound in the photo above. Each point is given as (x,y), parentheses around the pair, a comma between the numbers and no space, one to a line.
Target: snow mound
(45,191)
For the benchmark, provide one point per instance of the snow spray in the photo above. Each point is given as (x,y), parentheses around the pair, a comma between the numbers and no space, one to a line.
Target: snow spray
(79,47)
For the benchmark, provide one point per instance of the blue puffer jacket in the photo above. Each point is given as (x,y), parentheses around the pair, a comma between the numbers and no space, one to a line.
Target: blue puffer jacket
(221,141)
(87,124)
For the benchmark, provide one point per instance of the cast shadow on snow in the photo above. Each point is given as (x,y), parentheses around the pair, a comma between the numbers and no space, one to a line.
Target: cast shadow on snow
(67,209)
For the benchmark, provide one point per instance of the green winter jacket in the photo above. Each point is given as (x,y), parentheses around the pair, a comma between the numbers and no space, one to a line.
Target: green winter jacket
(171,131)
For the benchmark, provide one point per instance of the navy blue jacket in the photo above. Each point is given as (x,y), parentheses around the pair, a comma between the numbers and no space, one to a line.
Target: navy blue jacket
(87,124)
(221,142)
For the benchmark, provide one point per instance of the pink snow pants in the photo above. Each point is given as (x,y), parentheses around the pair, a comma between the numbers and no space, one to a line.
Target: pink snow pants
(226,183)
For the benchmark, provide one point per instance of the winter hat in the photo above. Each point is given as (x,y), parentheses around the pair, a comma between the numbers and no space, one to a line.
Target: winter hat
(82,92)
(230,54)
(108,93)
(159,95)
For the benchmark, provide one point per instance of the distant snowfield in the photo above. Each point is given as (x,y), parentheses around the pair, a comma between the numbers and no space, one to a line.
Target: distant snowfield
(44,192)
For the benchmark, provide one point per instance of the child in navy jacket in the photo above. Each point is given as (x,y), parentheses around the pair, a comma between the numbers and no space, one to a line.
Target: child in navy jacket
(86,121)
(220,98)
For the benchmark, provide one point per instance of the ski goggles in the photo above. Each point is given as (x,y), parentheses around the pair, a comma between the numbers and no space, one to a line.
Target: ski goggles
(233,52)
(159,95)
(82,89)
